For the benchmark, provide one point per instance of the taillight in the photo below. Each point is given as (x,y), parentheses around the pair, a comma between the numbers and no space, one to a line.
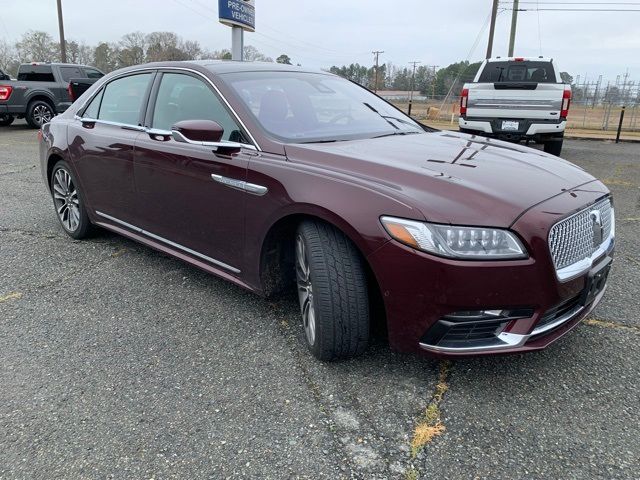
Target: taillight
(5,92)
(566,102)
(70,92)
(464,98)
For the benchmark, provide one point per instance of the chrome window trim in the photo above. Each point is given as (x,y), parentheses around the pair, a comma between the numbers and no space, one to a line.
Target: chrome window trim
(578,268)
(126,126)
(169,242)
(254,144)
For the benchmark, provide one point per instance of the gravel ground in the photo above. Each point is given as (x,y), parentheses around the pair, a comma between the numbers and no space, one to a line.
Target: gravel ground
(119,362)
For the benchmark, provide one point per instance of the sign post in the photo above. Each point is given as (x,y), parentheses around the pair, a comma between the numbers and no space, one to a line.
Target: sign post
(240,15)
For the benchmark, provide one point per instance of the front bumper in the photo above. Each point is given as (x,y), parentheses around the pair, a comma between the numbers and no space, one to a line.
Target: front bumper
(421,291)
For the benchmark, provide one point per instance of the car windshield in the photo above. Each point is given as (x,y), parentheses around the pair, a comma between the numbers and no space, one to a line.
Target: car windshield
(313,107)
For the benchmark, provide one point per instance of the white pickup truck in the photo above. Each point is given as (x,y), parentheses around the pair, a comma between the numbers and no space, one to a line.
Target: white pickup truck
(517,99)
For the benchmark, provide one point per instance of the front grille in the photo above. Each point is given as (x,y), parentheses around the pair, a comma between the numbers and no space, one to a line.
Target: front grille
(575,238)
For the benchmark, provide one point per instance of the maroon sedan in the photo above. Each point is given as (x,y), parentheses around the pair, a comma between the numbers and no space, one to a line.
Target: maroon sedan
(273,176)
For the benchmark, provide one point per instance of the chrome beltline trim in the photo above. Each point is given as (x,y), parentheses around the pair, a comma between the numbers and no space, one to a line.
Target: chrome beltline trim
(169,242)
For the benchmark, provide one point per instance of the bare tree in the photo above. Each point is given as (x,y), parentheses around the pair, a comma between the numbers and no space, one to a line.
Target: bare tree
(132,51)
(37,46)
(252,54)
(8,58)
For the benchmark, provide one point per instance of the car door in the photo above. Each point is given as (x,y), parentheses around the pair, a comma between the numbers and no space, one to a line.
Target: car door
(185,191)
(101,145)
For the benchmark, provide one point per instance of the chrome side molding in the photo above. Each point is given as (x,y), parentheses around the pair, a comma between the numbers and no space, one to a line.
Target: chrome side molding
(169,242)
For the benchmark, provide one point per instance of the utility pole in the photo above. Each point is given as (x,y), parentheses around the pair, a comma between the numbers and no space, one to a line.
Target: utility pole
(514,23)
(63,45)
(377,55)
(492,29)
(413,85)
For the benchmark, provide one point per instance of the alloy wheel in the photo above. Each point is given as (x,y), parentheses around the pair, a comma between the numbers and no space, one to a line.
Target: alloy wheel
(305,291)
(42,114)
(65,198)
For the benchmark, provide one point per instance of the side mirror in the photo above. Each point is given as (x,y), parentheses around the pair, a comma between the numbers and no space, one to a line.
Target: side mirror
(197,131)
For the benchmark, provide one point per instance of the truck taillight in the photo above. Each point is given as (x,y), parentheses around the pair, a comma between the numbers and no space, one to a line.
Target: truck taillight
(566,102)
(464,98)
(70,92)
(5,92)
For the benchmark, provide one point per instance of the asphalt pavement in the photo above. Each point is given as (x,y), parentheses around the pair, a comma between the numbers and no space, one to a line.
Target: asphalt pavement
(119,362)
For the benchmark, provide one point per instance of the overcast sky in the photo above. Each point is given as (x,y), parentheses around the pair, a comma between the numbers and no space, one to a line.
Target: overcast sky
(327,32)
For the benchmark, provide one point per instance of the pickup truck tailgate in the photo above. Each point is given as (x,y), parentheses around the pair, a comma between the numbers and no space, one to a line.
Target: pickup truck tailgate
(515,100)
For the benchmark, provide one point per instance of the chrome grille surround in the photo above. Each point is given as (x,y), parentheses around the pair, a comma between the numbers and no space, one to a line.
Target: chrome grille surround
(573,242)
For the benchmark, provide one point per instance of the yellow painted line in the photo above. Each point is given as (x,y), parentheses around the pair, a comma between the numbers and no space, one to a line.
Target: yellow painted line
(594,322)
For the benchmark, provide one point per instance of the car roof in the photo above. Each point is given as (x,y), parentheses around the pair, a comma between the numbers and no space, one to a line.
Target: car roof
(231,66)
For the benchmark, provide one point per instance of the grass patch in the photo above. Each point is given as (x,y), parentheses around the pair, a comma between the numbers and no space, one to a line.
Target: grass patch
(430,423)
(11,296)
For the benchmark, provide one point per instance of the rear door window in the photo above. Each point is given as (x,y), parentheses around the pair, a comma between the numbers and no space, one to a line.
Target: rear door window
(70,72)
(509,72)
(93,73)
(123,99)
(93,108)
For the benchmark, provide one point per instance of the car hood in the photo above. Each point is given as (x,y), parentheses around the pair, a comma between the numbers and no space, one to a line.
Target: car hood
(450,177)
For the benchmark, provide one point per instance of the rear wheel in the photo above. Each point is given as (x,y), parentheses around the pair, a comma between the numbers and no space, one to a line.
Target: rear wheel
(554,147)
(68,202)
(332,292)
(6,120)
(39,112)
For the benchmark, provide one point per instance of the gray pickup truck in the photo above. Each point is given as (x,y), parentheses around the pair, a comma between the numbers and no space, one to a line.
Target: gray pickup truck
(41,91)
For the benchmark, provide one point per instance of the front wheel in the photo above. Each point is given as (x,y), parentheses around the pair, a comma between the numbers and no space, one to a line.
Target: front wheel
(39,112)
(6,120)
(68,202)
(332,291)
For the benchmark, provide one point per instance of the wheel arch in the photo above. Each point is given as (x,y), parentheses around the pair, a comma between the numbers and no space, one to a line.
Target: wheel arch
(41,95)
(276,267)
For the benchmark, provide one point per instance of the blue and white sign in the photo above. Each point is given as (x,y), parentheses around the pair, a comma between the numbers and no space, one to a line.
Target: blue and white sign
(238,13)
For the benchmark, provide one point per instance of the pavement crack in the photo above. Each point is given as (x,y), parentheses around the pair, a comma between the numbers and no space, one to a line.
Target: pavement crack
(596,322)
(13,172)
(430,423)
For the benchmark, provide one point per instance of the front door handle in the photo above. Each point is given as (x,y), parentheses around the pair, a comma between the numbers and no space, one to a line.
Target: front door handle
(241,185)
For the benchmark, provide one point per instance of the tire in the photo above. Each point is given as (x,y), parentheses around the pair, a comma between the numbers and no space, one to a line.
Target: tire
(39,112)
(554,147)
(6,120)
(332,291)
(68,202)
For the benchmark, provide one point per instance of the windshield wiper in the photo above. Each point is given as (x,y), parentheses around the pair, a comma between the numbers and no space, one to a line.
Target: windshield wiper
(395,133)
(382,116)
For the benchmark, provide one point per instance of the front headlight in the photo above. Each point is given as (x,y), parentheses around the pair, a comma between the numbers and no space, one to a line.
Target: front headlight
(476,243)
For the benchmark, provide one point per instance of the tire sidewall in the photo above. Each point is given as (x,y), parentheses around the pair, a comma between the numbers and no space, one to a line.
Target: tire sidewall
(32,106)
(6,120)
(84,223)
